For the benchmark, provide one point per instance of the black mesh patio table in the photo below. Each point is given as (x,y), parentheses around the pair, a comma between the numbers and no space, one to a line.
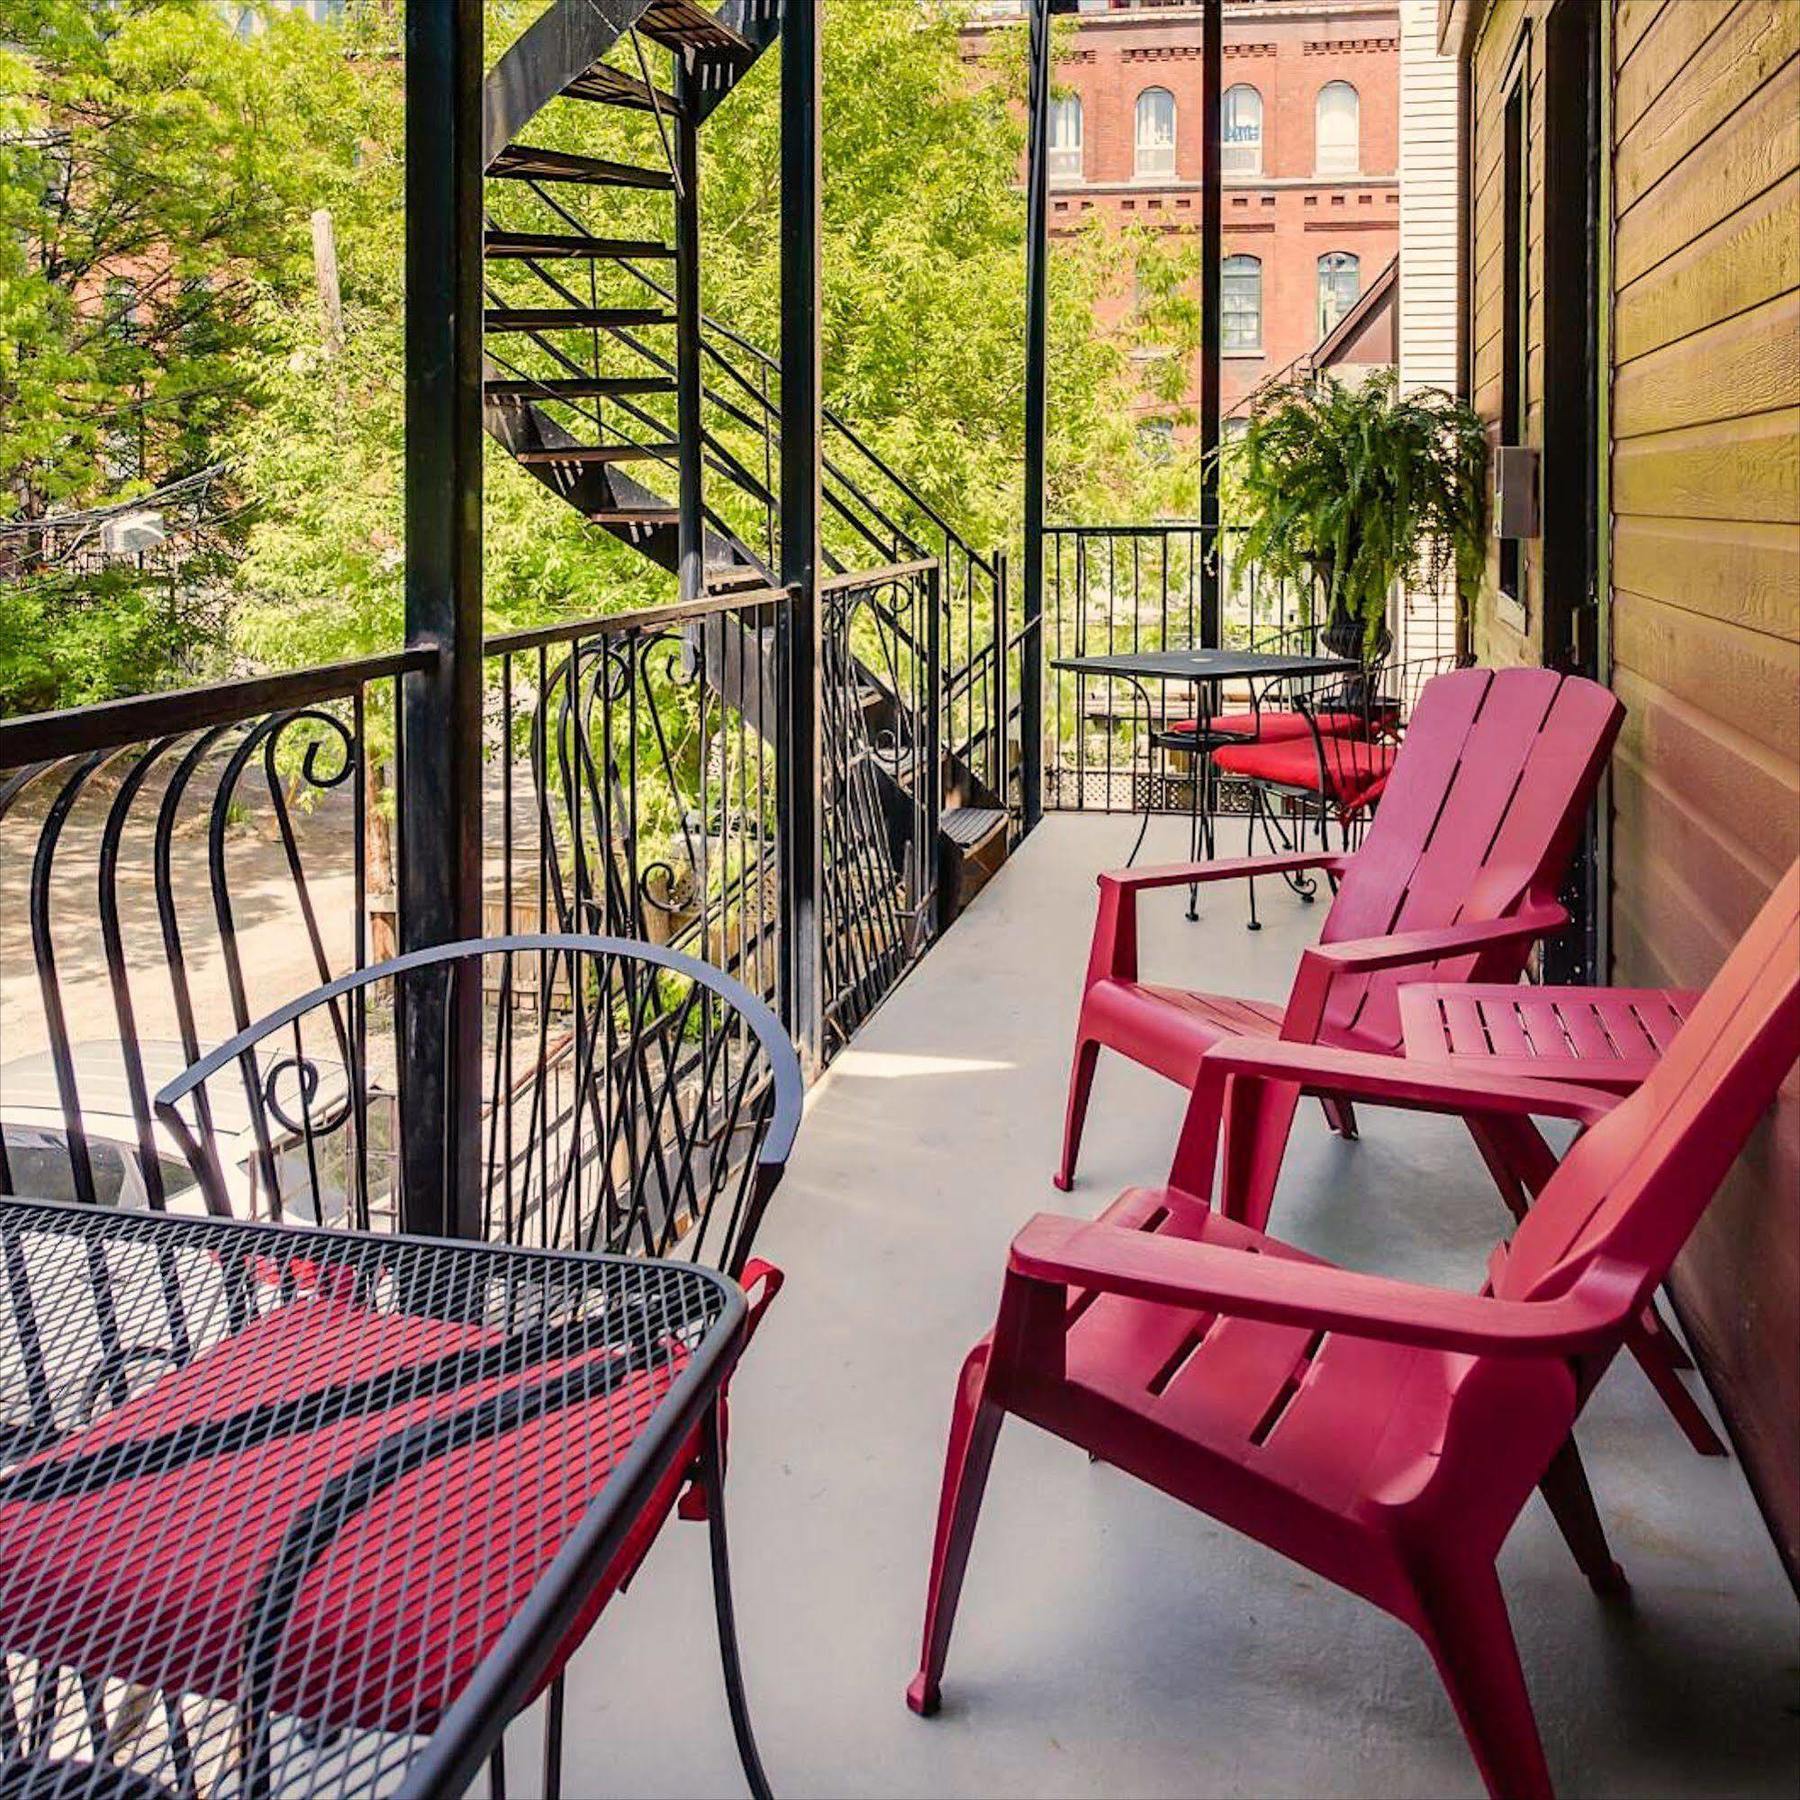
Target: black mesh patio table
(298,1512)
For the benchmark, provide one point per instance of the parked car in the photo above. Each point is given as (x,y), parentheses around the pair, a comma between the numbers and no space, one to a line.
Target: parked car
(35,1133)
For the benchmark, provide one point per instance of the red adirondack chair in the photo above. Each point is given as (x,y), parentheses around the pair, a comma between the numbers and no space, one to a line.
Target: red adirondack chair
(1455,881)
(1385,1435)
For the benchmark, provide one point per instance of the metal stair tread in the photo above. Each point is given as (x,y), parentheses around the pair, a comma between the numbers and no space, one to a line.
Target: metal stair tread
(680,24)
(635,515)
(504,389)
(547,245)
(607,85)
(573,318)
(967,826)
(529,162)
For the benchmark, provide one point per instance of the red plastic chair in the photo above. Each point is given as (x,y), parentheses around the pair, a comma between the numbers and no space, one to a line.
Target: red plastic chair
(1383,1434)
(1455,881)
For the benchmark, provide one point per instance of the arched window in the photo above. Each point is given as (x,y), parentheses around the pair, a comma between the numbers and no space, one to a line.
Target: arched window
(1155,133)
(1240,131)
(1240,313)
(1337,130)
(1340,286)
(1065,138)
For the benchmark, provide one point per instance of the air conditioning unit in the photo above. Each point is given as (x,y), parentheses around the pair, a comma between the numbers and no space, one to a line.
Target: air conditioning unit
(126,534)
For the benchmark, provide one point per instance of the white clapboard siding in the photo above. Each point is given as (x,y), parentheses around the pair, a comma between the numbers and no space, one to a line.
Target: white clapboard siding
(1426,621)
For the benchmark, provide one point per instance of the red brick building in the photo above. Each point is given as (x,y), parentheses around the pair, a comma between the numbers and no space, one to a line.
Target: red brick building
(1311,121)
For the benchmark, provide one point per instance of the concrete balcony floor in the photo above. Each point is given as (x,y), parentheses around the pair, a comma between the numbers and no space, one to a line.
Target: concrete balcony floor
(1111,1642)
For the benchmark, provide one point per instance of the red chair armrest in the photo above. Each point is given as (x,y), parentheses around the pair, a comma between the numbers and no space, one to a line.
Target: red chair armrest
(1401,1082)
(1235,868)
(1364,956)
(1324,963)
(1283,1291)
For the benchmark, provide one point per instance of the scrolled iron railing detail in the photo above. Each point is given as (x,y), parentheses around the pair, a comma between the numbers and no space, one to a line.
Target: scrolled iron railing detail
(217,839)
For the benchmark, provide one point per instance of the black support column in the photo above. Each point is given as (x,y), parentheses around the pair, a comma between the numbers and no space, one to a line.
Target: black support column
(802,946)
(440,789)
(1212,66)
(691,538)
(1037,376)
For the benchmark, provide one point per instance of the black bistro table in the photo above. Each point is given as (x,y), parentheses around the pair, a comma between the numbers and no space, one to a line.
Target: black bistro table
(1204,672)
(297,1512)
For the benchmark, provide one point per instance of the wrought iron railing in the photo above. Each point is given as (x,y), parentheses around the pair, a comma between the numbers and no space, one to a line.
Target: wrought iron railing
(1116,588)
(170,868)
(882,782)
(174,867)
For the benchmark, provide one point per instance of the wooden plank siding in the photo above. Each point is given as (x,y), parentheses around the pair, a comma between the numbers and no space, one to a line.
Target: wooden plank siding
(1705,578)
(1706,617)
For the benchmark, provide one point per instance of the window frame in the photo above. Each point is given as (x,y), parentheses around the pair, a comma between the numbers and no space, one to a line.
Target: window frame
(1322,165)
(1350,264)
(1140,146)
(1064,106)
(1253,165)
(1246,264)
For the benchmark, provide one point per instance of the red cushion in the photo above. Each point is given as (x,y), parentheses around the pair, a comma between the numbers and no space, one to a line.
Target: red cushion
(155,1577)
(1276,725)
(1353,769)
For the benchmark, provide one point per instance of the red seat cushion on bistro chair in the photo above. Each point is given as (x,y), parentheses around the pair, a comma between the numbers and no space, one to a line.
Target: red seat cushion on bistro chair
(1277,725)
(370,1638)
(1349,769)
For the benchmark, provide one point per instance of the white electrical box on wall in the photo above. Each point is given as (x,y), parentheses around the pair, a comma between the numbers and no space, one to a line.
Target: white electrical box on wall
(1515,491)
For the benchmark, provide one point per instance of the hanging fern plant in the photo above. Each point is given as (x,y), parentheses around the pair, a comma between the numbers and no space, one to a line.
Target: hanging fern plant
(1352,487)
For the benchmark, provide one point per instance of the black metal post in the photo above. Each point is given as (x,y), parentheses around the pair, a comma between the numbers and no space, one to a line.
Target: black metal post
(1212,65)
(803,871)
(927,861)
(440,784)
(691,538)
(1037,313)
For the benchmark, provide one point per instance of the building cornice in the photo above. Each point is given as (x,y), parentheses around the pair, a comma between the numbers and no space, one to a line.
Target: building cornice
(1244,184)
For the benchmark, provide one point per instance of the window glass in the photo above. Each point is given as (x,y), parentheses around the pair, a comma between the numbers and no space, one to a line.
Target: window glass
(1337,141)
(1065,138)
(1340,286)
(1156,438)
(1240,315)
(1240,131)
(1155,132)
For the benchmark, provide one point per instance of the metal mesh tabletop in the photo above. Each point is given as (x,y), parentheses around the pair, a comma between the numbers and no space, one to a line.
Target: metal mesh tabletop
(1202,666)
(296,1513)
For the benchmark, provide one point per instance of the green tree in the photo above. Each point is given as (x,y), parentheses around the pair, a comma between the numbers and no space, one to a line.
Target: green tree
(924,299)
(156,177)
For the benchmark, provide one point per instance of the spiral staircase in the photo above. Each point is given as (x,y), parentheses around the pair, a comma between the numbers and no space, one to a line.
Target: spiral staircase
(607,384)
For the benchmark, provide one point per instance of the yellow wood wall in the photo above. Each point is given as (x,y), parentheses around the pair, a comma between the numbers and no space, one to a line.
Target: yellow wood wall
(1705,597)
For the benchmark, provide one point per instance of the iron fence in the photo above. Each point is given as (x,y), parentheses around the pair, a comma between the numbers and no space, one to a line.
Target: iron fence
(174,867)
(171,868)
(1121,588)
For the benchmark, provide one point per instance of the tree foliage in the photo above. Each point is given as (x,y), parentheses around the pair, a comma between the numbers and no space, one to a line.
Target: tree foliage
(156,178)
(139,139)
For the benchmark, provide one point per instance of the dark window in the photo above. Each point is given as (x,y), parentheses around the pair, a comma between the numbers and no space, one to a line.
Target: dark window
(1512,307)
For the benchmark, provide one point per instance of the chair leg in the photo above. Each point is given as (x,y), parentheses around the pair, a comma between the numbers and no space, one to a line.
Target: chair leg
(1470,1638)
(553,1740)
(712,1482)
(974,1426)
(1340,1115)
(1571,1502)
(1655,1358)
(1521,1162)
(1081,1084)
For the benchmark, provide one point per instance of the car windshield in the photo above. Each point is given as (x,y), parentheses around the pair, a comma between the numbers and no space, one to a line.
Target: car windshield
(39,1165)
